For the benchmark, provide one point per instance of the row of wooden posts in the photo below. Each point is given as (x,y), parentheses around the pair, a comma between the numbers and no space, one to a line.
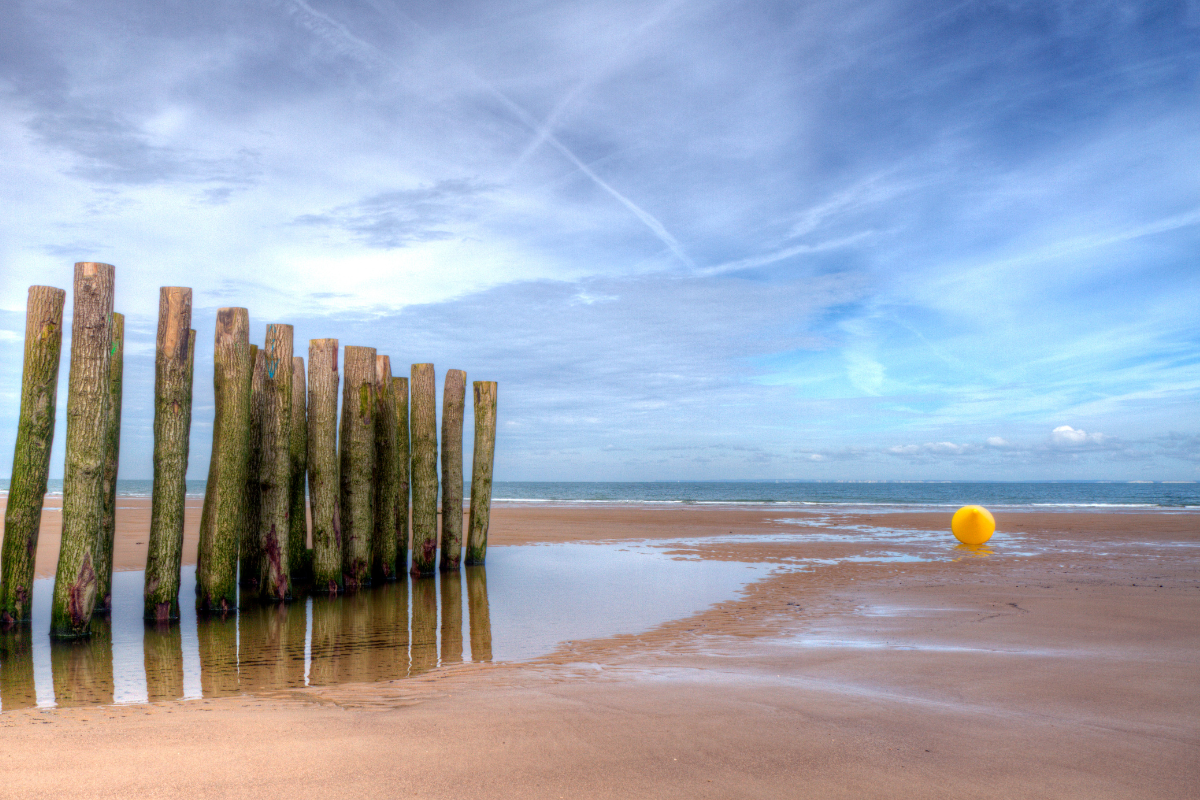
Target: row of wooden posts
(271,430)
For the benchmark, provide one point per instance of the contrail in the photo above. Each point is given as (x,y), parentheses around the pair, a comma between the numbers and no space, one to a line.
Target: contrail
(330,29)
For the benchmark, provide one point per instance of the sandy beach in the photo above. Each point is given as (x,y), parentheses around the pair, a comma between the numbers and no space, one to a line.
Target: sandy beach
(1060,660)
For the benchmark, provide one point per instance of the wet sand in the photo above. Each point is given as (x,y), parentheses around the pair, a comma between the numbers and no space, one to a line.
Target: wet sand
(1060,661)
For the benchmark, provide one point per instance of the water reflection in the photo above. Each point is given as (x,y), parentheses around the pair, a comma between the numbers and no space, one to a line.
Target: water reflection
(83,668)
(971,551)
(539,597)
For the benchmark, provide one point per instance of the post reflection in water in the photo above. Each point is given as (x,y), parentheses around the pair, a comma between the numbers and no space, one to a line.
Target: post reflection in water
(218,640)
(16,669)
(83,668)
(424,625)
(452,638)
(162,653)
(384,633)
(271,646)
(480,616)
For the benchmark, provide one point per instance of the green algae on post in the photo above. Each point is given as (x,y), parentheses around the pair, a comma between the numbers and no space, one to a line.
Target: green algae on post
(301,560)
(275,471)
(31,459)
(87,424)
(481,471)
(222,519)
(403,470)
(324,484)
(357,444)
(112,448)
(248,547)
(453,402)
(424,470)
(383,547)
(174,363)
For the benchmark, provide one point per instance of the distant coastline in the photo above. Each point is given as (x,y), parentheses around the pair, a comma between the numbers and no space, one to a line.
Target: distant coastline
(1043,495)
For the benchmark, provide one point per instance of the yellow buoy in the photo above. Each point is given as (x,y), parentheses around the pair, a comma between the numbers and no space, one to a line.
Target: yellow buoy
(973,525)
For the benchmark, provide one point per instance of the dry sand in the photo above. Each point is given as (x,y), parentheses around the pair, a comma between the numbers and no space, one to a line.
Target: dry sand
(1064,663)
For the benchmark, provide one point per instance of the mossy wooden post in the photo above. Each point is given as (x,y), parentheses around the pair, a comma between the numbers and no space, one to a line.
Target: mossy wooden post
(174,360)
(112,452)
(275,474)
(87,423)
(324,485)
(481,471)
(31,460)
(403,470)
(248,548)
(383,548)
(221,520)
(453,402)
(424,469)
(480,614)
(357,465)
(298,513)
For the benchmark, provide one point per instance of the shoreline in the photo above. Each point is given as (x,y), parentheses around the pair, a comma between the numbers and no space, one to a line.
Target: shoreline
(960,673)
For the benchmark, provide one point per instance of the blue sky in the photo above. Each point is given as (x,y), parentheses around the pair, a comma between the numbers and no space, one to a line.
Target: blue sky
(691,240)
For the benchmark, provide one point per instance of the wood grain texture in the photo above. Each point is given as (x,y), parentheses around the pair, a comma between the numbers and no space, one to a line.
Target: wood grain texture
(424,469)
(275,470)
(324,483)
(403,473)
(383,547)
(482,459)
(358,465)
(453,405)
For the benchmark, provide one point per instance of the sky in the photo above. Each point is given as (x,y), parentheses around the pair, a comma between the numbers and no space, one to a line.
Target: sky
(851,240)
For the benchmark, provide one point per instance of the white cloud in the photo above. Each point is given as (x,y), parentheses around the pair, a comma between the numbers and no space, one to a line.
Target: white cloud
(997,441)
(1065,435)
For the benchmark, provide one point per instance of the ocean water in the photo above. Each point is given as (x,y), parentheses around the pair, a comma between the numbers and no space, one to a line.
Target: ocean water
(903,494)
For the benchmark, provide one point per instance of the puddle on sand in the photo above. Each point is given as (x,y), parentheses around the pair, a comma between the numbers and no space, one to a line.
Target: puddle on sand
(528,600)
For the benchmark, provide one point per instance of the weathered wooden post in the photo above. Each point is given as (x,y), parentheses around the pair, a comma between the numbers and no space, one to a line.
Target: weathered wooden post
(424,470)
(400,388)
(222,519)
(276,467)
(324,485)
(481,471)
(452,633)
(480,614)
(174,360)
(162,655)
(383,547)
(358,463)
(248,549)
(453,402)
(298,514)
(112,447)
(31,460)
(87,422)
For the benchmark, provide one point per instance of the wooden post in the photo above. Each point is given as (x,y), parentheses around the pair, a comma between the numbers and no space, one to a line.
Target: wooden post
(31,460)
(358,463)
(248,548)
(324,485)
(481,471)
(453,402)
(480,614)
(275,473)
(174,360)
(298,514)
(386,494)
(162,655)
(87,423)
(222,519)
(452,634)
(424,470)
(400,388)
(112,447)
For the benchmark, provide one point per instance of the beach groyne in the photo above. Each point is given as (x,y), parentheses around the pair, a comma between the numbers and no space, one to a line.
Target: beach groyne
(373,482)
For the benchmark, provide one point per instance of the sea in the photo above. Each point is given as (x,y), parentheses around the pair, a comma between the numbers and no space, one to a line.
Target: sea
(899,494)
